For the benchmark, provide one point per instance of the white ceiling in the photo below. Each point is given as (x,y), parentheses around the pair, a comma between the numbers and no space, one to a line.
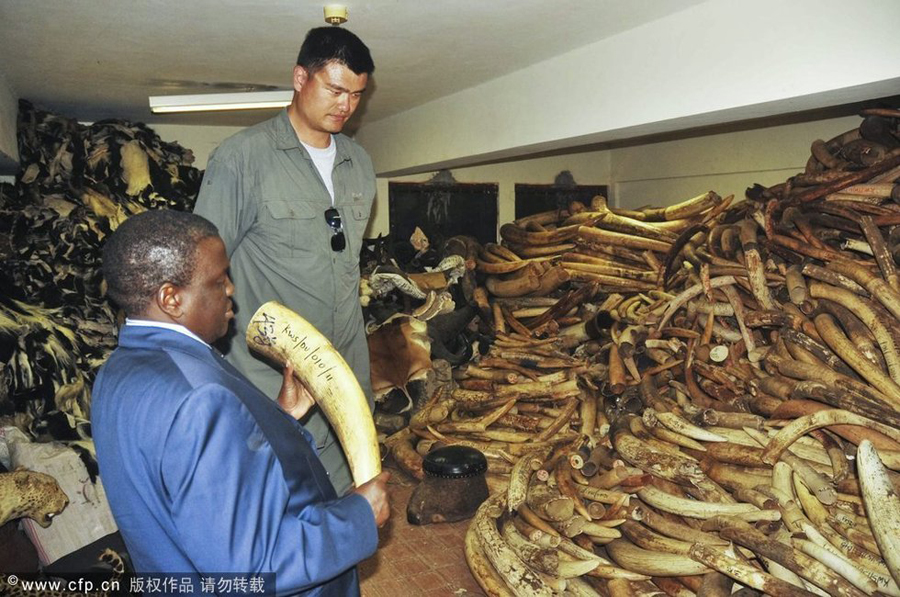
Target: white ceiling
(95,59)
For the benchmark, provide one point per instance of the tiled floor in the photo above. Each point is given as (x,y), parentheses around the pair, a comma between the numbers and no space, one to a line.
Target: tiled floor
(417,560)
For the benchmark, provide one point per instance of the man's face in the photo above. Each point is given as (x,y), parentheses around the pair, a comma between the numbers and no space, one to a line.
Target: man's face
(206,300)
(329,97)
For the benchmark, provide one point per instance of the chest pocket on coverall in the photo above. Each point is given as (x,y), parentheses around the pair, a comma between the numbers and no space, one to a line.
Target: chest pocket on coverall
(292,224)
(357,219)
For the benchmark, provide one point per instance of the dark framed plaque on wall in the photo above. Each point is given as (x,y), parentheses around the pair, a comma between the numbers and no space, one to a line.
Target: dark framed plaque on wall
(537,198)
(443,210)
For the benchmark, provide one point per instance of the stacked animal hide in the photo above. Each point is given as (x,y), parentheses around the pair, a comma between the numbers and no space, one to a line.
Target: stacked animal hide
(75,185)
(419,318)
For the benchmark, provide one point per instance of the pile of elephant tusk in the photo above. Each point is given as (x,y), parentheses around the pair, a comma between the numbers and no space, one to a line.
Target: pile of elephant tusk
(698,399)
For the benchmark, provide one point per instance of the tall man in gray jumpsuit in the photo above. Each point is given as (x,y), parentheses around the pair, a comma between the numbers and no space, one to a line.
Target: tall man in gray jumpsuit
(291,198)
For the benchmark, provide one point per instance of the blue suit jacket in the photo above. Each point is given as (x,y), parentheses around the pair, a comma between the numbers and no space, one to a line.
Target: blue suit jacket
(205,474)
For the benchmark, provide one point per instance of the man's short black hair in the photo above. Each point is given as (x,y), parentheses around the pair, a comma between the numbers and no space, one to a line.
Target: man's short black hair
(149,249)
(324,44)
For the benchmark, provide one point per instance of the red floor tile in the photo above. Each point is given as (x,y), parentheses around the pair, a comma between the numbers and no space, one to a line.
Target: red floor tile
(429,581)
(413,560)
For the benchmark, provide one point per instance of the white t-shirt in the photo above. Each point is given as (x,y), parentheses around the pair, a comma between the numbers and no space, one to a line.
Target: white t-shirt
(324,161)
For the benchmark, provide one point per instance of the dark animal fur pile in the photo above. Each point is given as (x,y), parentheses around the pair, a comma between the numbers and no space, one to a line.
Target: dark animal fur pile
(71,191)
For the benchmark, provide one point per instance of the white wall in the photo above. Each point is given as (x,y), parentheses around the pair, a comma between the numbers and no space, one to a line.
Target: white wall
(588,168)
(202,140)
(658,173)
(719,61)
(9,109)
(668,172)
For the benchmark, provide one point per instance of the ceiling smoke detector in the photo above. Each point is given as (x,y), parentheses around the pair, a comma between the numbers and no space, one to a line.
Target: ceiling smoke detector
(335,14)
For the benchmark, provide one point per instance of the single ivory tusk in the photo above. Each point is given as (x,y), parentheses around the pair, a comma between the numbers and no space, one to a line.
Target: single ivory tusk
(280,334)
(680,425)
(482,570)
(519,578)
(652,563)
(690,507)
(882,505)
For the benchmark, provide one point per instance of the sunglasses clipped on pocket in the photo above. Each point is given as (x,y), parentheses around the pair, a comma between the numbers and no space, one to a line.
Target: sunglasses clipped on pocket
(333,219)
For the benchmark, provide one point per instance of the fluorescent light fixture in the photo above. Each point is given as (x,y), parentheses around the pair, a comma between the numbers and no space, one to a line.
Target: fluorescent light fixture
(254,100)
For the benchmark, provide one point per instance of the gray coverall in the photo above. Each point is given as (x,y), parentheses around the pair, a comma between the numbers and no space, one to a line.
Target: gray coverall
(263,192)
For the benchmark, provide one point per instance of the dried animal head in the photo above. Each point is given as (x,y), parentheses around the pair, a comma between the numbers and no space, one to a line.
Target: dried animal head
(399,352)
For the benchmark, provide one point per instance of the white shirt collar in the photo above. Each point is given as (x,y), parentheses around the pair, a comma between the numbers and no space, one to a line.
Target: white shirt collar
(175,327)
(330,150)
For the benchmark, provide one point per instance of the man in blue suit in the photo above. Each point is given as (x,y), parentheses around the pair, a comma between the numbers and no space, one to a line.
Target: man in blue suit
(203,472)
